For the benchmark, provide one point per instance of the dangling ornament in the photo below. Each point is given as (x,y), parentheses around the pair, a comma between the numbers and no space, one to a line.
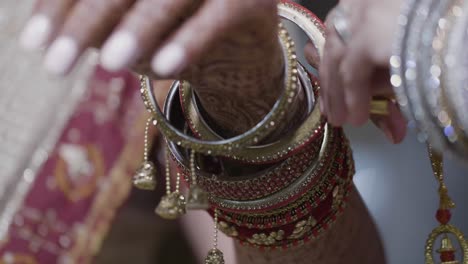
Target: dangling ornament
(197,198)
(145,176)
(215,256)
(172,205)
(447,251)
(443,216)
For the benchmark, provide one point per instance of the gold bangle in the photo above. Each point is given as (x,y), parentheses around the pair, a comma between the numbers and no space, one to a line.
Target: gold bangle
(289,144)
(299,185)
(251,137)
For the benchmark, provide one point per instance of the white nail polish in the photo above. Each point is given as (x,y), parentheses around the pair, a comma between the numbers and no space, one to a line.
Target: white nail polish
(36,32)
(119,51)
(61,55)
(169,60)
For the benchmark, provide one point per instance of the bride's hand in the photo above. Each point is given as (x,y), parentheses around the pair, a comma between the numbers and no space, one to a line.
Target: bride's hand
(355,70)
(168,35)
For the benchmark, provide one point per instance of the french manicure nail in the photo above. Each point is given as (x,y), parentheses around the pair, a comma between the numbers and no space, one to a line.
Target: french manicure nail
(61,55)
(119,51)
(169,60)
(36,32)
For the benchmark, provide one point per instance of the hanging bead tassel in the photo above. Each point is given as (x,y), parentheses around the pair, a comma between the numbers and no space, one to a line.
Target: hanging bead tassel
(215,256)
(145,176)
(446,251)
(197,198)
(172,205)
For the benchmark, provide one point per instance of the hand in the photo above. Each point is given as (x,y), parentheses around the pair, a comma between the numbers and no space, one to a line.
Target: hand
(354,72)
(228,50)
(172,34)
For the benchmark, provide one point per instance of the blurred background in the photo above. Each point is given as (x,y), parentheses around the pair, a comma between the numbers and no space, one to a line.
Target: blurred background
(395,181)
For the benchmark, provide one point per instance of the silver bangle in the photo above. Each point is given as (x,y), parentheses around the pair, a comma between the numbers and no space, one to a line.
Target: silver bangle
(234,144)
(260,154)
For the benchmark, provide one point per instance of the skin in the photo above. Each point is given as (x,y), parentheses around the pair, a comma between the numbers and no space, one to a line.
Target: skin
(347,89)
(225,58)
(235,65)
(352,240)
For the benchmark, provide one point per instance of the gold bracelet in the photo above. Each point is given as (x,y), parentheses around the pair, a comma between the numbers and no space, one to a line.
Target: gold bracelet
(283,148)
(235,144)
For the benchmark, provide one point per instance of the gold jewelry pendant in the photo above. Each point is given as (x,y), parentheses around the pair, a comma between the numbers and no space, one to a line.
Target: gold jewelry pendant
(215,256)
(172,206)
(447,250)
(145,177)
(197,198)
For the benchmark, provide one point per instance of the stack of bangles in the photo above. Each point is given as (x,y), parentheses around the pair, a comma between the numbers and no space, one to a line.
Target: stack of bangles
(269,196)
(429,72)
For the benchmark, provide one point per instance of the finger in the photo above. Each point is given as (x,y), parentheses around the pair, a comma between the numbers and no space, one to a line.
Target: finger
(324,71)
(392,125)
(356,70)
(311,54)
(89,23)
(380,83)
(143,29)
(45,21)
(198,34)
(324,77)
(334,95)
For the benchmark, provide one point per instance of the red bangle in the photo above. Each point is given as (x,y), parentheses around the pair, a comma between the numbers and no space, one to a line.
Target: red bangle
(269,181)
(297,232)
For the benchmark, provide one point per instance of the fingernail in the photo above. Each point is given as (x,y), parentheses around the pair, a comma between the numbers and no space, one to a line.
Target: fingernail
(169,60)
(36,32)
(118,51)
(61,55)
(321,105)
(388,133)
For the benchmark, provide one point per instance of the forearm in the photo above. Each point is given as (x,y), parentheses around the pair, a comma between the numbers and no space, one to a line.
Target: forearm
(235,96)
(352,239)
(236,92)
(354,229)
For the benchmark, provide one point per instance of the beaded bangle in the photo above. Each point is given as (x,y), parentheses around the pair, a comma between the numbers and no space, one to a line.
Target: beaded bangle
(419,73)
(291,143)
(255,186)
(292,229)
(408,98)
(455,71)
(231,145)
(260,184)
(431,96)
(429,91)
(456,137)
(306,20)
(307,205)
(315,194)
(302,232)
(302,184)
(323,185)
